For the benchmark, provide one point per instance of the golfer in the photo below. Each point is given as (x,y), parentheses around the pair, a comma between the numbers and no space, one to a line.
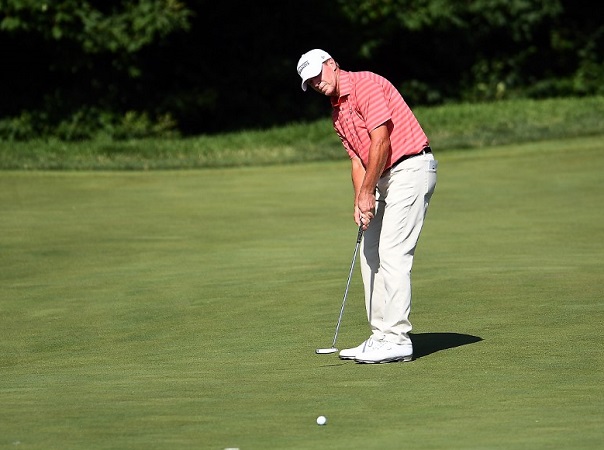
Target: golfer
(394,176)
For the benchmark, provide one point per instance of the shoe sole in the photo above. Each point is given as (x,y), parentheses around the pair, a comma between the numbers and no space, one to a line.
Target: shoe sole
(348,357)
(407,358)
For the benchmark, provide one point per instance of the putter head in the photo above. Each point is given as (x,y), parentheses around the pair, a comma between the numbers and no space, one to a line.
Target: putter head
(325,351)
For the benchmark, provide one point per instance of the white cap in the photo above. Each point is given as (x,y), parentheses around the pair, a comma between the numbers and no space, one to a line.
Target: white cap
(311,64)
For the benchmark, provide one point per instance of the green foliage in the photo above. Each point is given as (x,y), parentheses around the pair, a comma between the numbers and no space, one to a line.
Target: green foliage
(91,30)
(451,126)
(135,125)
(76,68)
(97,29)
(88,68)
(519,17)
(409,14)
(19,128)
(508,48)
(89,124)
(478,17)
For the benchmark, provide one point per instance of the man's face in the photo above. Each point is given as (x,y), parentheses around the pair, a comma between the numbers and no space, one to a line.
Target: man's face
(326,82)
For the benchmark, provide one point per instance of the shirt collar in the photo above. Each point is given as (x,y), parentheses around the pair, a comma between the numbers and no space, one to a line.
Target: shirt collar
(344,87)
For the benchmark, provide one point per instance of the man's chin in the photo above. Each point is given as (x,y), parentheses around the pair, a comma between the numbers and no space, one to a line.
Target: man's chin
(328,92)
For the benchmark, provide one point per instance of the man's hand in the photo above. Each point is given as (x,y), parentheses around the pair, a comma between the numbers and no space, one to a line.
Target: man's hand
(365,208)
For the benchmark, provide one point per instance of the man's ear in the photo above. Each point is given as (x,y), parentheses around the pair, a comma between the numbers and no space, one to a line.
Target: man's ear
(331,63)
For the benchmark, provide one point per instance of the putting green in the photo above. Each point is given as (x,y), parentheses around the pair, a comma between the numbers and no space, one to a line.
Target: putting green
(152,310)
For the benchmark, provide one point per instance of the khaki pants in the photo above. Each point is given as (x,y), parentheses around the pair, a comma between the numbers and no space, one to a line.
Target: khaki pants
(389,243)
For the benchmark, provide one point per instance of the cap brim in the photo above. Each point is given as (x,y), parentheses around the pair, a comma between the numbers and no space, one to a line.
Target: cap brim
(308,74)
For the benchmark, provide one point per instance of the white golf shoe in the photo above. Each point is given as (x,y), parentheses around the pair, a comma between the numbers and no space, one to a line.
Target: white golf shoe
(383,352)
(352,353)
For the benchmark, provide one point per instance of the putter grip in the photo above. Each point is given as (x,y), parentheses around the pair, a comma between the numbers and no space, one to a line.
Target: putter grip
(360,235)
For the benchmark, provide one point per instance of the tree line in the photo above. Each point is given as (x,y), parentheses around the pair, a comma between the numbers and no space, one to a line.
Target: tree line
(77,69)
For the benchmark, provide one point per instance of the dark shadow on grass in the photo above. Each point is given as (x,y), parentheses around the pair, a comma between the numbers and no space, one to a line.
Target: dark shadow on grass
(425,344)
(341,363)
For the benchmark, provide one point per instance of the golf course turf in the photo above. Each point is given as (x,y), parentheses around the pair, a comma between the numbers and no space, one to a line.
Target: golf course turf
(181,309)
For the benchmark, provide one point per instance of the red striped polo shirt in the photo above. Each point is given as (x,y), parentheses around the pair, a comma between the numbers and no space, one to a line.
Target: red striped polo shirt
(367,101)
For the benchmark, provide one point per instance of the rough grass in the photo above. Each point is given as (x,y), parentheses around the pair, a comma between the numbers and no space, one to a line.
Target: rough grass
(449,127)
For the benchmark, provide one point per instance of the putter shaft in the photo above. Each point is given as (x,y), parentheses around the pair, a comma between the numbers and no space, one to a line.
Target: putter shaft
(354,257)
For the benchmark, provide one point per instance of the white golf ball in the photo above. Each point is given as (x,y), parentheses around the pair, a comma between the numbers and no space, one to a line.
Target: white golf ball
(321,420)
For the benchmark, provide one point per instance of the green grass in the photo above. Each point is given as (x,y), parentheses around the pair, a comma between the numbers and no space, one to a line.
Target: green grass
(181,309)
(449,127)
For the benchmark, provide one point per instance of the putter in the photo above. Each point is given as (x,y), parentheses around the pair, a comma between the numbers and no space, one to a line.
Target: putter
(333,349)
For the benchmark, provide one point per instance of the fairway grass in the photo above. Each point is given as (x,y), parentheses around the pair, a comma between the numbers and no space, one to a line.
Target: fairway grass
(181,309)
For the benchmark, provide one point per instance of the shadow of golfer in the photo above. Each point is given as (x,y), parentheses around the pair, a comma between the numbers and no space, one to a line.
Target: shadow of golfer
(425,344)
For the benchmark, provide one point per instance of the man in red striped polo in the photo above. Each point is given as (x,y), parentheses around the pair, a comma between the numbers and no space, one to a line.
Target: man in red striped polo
(394,176)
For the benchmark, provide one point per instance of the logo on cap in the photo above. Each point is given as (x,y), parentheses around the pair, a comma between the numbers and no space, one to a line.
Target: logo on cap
(302,66)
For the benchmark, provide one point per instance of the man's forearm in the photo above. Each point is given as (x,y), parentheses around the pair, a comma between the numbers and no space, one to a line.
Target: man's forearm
(357,175)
